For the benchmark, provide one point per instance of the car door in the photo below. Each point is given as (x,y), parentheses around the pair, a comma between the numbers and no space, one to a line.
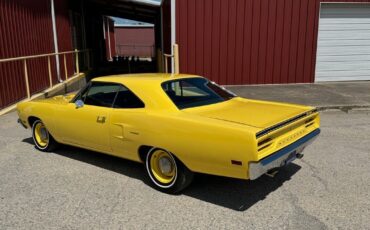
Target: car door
(85,121)
(128,122)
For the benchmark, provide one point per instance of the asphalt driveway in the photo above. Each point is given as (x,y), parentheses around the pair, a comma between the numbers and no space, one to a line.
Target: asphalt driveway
(345,95)
(78,189)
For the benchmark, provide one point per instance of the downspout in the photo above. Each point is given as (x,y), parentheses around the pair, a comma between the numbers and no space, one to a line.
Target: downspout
(108,37)
(173,32)
(104,27)
(162,41)
(55,40)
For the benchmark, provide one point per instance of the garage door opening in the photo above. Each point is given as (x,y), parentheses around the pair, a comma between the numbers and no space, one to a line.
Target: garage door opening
(124,36)
(135,45)
(343,52)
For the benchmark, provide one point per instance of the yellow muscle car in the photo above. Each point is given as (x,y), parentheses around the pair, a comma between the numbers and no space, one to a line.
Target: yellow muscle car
(176,125)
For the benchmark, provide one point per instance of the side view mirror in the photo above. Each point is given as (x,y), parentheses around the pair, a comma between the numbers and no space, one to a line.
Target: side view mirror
(79,104)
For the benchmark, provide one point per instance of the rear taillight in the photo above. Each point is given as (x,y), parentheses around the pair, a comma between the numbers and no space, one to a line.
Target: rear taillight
(264,144)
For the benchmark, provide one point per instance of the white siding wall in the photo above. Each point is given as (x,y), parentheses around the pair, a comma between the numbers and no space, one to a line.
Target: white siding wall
(343,51)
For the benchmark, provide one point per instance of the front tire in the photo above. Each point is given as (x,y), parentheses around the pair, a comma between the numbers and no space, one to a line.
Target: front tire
(166,172)
(42,138)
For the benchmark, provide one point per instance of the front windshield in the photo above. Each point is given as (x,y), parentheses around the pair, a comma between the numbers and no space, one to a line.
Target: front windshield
(193,92)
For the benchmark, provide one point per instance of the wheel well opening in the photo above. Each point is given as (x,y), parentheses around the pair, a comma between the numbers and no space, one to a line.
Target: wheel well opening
(143,150)
(31,120)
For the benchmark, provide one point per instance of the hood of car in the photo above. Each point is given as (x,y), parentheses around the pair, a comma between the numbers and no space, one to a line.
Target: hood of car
(258,114)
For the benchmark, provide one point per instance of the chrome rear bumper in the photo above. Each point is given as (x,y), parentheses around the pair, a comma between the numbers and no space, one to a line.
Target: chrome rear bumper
(281,157)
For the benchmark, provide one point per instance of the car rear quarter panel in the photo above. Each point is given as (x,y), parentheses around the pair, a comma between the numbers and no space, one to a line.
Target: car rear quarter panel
(204,145)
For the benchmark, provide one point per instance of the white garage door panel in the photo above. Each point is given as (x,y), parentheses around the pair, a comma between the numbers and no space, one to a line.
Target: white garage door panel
(336,27)
(343,49)
(345,66)
(348,42)
(345,34)
(345,73)
(345,21)
(346,78)
(341,59)
(342,76)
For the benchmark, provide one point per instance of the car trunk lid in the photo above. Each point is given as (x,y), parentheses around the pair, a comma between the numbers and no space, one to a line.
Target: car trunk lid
(277,124)
(259,114)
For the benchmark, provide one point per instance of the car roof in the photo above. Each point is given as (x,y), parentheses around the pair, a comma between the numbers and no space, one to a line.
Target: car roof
(148,87)
(143,77)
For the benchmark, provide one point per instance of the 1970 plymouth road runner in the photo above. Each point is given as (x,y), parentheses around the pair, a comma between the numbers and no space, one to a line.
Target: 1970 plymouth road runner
(176,125)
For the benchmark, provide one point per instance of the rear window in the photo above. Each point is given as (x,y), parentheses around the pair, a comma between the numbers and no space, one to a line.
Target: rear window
(193,92)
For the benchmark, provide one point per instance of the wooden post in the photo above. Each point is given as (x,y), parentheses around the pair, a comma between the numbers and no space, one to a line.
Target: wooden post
(26,78)
(77,62)
(160,61)
(65,66)
(176,59)
(50,77)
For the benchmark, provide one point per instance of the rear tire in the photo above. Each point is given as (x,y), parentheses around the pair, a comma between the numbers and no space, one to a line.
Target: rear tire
(167,173)
(42,138)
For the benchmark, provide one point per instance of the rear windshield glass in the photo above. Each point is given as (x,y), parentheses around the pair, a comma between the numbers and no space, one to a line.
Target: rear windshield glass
(193,92)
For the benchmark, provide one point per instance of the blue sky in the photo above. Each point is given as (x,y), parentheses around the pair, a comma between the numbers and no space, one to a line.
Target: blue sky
(127,21)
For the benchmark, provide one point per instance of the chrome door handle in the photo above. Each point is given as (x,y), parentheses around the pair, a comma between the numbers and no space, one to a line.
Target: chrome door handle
(100,119)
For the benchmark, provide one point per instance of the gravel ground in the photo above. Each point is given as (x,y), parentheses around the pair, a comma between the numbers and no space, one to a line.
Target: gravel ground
(78,189)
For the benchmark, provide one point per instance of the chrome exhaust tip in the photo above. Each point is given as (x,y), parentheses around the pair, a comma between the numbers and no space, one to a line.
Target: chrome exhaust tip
(272,173)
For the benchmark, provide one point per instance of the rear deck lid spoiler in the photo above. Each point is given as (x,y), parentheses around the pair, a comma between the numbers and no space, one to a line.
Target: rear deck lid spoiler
(284,123)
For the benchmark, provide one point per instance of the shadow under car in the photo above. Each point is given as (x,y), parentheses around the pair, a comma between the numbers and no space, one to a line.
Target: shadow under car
(230,193)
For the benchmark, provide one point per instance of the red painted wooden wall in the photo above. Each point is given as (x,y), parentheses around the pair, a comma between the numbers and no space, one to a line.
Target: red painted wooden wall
(238,42)
(26,29)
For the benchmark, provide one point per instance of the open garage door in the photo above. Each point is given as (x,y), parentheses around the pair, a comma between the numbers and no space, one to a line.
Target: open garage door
(343,51)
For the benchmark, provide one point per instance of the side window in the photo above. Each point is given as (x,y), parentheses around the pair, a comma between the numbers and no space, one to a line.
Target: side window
(100,94)
(127,100)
